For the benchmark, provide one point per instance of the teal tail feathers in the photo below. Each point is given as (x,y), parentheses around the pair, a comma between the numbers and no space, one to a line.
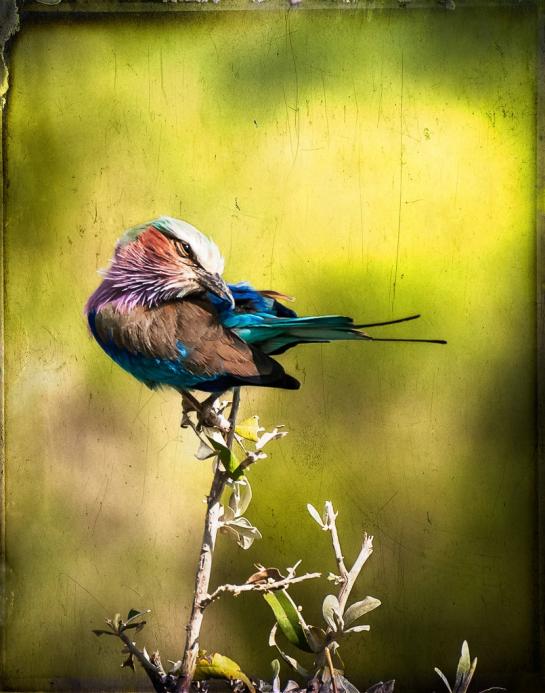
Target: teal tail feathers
(284,334)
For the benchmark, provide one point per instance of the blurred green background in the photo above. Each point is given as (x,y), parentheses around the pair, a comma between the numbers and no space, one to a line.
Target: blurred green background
(373,164)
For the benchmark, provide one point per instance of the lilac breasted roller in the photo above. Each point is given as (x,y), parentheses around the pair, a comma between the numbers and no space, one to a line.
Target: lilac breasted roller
(164,313)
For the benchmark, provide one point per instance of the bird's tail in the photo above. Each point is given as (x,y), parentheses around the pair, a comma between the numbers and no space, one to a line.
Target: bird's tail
(396,339)
(326,328)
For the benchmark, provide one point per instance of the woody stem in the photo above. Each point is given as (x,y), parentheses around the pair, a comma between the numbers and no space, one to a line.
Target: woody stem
(202,578)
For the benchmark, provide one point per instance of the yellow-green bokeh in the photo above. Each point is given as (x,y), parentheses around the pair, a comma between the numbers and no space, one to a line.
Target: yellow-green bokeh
(374,164)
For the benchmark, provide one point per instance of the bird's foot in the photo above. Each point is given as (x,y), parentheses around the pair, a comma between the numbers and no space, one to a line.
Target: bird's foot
(209,413)
(211,417)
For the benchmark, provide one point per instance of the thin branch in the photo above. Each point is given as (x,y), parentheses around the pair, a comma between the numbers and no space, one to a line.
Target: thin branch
(331,517)
(235,590)
(251,458)
(206,414)
(347,577)
(331,669)
(155,659)
(365,551)
(202,578)
(151,670)
(233,417)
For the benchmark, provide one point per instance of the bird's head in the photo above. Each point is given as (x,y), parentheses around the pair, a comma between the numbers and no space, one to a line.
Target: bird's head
(164,259)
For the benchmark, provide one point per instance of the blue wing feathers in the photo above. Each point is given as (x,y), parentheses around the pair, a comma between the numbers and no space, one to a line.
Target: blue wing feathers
(153,372)
(265,322)
(258,319)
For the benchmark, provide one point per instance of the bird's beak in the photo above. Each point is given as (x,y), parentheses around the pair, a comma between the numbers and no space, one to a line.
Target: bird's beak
(216,284)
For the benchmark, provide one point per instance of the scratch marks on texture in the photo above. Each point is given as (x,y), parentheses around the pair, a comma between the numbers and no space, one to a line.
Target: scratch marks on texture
(357,144)
(400,186)
(149,84)
(115,70)
(61,575)
(162,73)
(325,105)
(101,502)
(295,109)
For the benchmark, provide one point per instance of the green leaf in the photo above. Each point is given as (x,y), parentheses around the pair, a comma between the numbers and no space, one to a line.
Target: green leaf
(129,662)
(134,614)
(217,666)
(227,458)
(316,638)
(249,429)
(359,609)
(289,618)
(466,669)
(464,665)
(275,664)
(138,626)
(294,664)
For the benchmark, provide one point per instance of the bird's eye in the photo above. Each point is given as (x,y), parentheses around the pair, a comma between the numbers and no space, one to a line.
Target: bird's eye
(186,249)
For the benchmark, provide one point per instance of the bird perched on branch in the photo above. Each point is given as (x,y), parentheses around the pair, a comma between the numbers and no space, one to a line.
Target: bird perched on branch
(164,313)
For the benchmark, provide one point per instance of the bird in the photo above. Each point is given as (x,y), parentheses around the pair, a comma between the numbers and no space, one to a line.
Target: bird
(164,313)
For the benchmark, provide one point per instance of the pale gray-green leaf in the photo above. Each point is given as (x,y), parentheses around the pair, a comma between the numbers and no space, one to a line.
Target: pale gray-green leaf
(315,515)
(357,629)
(359,609)
(331,611)
(268,436)
(344,685)
(292,687)
(241,495)
(204,451)
(230,532)
(443,679)
(176,666)
(228,514)
(244,531)
(382,687)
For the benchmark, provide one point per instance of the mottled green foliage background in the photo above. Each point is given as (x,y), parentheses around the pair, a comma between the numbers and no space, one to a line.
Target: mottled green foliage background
(374,164)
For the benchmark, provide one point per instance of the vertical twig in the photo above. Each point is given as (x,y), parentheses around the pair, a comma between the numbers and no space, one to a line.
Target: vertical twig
(202,578)
(331,517)
(348,577)
(151,669)
(365,551)
(331,670)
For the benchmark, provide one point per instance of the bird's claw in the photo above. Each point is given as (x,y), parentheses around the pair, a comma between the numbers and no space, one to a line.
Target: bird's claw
(209,418)
(208,414)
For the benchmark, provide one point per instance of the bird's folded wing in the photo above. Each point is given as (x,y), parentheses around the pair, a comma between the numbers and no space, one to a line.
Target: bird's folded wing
(190,334)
